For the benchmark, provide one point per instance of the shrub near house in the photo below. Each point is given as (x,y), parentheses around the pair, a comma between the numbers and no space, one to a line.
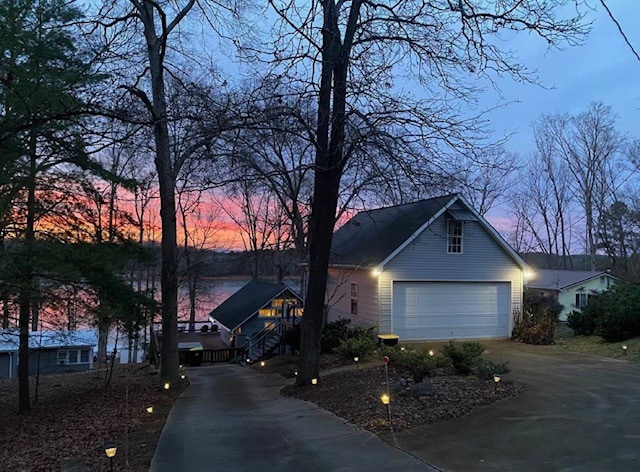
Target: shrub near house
(614,315)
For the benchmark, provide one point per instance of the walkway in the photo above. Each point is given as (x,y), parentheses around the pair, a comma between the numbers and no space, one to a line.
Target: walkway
(234,419)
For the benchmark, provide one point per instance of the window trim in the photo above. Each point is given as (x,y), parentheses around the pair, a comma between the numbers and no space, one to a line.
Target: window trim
(451,225)
(63,356)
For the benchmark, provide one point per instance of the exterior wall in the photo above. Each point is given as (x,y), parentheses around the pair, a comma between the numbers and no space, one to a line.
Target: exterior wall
(426,259)
(6,359)
(49,362)
(567,297)
(339,296)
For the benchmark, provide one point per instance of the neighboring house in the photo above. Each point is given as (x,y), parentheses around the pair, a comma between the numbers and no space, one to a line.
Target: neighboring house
(429,270)
(253,308)
(572,288)
(52,352)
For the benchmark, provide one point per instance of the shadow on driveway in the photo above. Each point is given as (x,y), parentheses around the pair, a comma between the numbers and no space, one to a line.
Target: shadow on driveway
(579,413)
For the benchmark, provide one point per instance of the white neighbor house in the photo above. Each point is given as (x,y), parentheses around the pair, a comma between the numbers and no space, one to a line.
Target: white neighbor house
(572,288)
(428,270)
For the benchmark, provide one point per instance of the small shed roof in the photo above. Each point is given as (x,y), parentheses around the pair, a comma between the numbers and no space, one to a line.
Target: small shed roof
(9,339)
(548,279)
(246,302)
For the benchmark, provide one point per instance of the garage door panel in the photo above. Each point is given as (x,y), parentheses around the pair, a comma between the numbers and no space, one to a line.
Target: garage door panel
(448,310)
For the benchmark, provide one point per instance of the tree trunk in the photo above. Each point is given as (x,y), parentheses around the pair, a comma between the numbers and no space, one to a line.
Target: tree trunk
(26,285)
(321,230)
(169,245)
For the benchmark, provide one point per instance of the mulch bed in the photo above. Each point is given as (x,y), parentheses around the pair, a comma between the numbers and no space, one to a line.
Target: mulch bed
(76,416)
(355,396)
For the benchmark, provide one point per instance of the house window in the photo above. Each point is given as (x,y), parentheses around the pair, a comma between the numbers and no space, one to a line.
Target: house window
(73,356)
(454,237)
(582,300)
(354,299)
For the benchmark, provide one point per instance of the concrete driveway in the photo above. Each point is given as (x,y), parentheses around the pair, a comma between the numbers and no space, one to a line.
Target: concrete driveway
(234,419)
(579,413)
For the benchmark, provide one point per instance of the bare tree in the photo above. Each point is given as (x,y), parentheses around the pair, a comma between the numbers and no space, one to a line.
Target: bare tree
(158,24)
(359,49)
(589,145)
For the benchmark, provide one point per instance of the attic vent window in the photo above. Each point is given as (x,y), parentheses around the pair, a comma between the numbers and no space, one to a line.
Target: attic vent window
(454,237)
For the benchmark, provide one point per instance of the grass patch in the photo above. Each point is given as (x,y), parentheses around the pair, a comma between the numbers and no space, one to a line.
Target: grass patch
(566,340)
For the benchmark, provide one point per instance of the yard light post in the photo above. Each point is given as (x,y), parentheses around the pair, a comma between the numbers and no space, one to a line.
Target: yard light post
(431,352)
(149,409)
(386,401)
(110,451)
(624,349)
(167,385)
(356,359)
(496,381)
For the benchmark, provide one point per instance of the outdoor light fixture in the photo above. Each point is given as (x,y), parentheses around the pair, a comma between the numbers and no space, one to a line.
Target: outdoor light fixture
(402,348)
(431,353)
(386,401)
(376,272)
(166,385)
(248,361)
(356,359)
(183,376)
(528,274)
(496,381)
(262,364)
(181,366)
(295,373)
(314,381)
(149,409)
(624,349)
(110,451)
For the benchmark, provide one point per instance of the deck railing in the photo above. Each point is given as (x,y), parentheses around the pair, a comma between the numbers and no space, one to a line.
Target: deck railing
(211,356)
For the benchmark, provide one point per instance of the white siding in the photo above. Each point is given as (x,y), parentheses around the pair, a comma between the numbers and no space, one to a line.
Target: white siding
(339,296)
(426,260)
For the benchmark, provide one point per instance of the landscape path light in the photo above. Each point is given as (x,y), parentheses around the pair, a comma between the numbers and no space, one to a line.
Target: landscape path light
(624,349)
(356,359)
(111,452)
(262,364)
(314,381)
(496,381)
(149,409)
(386,401)
(182,376)
(431,352)
(167,385)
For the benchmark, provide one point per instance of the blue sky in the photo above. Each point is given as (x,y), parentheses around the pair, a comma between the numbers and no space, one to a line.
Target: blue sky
(603,69)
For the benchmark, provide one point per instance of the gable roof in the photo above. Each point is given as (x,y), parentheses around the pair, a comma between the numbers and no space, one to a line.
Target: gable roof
(547,279)
(243,304)
(372,238)
(9,339)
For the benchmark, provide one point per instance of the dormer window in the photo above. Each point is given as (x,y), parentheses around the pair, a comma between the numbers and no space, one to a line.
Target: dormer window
(454,237)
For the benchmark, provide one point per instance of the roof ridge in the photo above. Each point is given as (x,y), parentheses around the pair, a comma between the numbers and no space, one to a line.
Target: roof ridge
(424,200)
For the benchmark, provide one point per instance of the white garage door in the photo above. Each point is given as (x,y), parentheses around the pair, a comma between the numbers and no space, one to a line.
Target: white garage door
(450,310)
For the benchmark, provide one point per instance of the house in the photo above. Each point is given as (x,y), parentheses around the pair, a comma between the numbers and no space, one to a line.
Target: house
(50,352)
(257,306)
(429,270)
(572,288)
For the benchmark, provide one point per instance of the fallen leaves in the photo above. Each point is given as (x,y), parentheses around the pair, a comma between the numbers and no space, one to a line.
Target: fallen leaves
(76,416)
